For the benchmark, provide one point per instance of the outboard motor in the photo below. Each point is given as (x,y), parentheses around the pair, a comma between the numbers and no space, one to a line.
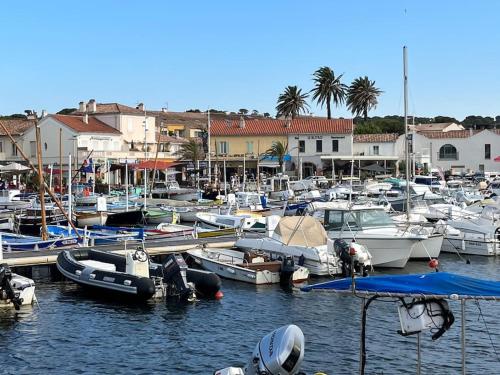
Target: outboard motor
(6,290)
(174,276)
(281,352)
(353,257)
(287,270)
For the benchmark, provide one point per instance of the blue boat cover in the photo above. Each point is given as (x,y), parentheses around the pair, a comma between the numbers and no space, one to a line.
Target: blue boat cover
(430,284)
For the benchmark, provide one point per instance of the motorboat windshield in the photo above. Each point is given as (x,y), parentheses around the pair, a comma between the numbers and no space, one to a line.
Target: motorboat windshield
(357,219)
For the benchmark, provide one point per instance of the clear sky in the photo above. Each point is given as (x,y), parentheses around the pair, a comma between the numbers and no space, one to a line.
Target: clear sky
(242,54)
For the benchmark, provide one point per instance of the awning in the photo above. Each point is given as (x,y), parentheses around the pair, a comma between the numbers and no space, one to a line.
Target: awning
(150,164)
(497,158)
(374,168)
(360,157)
(436,284)
(14,167)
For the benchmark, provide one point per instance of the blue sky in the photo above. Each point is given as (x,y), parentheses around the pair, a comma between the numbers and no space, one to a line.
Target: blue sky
(242,54)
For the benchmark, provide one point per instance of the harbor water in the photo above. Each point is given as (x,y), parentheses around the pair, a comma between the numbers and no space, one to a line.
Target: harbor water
(69,332)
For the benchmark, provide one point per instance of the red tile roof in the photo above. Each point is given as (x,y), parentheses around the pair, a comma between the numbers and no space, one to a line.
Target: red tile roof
(113,108)
(93,126)
(451,134)
(16,126)
(375,138)
(266,126)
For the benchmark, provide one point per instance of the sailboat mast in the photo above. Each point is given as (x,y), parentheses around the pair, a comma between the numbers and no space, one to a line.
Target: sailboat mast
(407,159)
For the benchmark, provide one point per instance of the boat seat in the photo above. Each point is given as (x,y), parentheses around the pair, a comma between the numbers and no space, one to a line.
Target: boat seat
(99,265)
(274,266)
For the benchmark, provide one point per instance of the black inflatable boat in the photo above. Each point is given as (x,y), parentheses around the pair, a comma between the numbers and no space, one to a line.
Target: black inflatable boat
(134,276)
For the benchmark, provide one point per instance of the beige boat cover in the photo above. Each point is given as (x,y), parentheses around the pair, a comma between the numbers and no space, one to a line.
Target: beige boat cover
(301,231)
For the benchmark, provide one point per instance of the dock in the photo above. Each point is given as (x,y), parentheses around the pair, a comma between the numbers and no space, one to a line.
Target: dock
(153,247)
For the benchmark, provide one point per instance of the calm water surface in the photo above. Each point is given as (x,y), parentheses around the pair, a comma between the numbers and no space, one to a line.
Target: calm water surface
(72,333)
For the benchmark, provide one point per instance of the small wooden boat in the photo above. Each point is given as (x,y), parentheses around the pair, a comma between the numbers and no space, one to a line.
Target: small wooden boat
(12,241)
(250,266)
(158,216)
(15,290)
(31,221)
(254,223)
(91,218)
(96,237)
(126,218)
(132,276)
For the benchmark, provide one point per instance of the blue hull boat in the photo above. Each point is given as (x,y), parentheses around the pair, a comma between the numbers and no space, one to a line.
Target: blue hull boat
(94,237)
(18,242)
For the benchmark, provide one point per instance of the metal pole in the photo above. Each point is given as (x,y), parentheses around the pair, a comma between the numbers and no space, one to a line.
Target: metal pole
(41,182)
(69,187)
(244,173)
(225,180)
(361,348)
(407,158)
(209,152)
(418,354)
(93,182)
(60,163)
(126,185)
(258,166)
(108,175)
(463,336)
(145,135)
(51,166)
(145,186)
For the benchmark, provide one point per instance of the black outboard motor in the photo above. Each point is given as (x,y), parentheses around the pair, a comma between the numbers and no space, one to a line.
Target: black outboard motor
(174,276)
(342,249)
(287,270)
(6,289)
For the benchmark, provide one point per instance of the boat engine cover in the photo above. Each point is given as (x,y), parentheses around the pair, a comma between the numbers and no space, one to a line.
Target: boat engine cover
(280,352)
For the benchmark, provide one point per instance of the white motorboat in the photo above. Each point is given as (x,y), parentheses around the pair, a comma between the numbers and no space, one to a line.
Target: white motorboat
(15,290)
(91,218)
(172,190)
(250,267)
(372,227)
(9,202)
(305,239)
(248,222)
(473,235)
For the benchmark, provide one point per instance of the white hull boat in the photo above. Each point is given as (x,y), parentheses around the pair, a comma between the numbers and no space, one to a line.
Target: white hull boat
(15,290)
(254,223)
(304,239)
(237,265)
(89,219)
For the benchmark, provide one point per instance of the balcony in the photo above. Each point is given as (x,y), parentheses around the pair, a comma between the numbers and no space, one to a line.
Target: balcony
(129,155)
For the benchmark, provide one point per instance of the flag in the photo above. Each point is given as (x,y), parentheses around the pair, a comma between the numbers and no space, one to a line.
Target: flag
(88,166)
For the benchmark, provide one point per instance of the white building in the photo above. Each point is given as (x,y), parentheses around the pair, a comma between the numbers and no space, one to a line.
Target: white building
(457,151)
(311,138)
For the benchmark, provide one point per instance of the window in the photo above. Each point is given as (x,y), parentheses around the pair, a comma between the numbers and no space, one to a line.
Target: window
(223,149)
(32,148)
(487,151)
(14,150)
(448,152)
(375,150)
(249,147)
(1,146)
(319,145)
(302,146)
(335,145)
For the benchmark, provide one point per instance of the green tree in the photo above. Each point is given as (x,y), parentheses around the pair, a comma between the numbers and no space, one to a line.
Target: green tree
(328,89)
(267,114)
(443,119)
(291,102)
(242,111)
(193,151)
(362,96)
(278,150)
(67,111)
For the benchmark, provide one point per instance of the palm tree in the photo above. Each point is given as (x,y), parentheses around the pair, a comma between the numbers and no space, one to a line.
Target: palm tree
(191,150)
(328,88)
(279,151)
(292,102)
(362,96)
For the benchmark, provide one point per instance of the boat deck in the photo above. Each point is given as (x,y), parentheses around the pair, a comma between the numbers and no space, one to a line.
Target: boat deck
(153,247)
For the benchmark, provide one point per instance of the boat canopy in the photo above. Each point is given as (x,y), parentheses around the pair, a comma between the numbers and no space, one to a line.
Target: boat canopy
(301,231)
(436,285)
